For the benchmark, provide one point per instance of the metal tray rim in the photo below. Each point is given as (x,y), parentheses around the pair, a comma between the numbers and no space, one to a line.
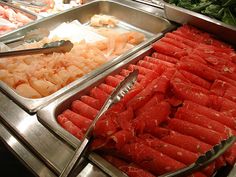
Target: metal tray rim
(32,105)
(198,15)
(46,115)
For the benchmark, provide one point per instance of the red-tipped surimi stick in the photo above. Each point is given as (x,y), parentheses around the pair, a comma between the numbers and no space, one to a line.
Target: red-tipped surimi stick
(80,121)
(70,127)
(150,159)
(93,102)
(165,57)
(84,109)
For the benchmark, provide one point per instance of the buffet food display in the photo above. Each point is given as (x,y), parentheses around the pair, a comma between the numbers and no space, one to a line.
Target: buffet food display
(12,18)
(105,43)
(182,104)
(41,75)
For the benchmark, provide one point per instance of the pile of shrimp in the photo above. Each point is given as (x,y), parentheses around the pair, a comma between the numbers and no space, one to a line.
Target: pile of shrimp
(37,76)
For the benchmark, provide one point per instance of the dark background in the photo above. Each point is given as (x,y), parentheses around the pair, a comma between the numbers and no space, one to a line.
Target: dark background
(10,166)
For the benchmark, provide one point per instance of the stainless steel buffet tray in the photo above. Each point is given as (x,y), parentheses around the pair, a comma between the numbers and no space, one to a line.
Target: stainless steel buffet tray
(18,9)
(127,12)
(181,15)
(47,115)
(32,16)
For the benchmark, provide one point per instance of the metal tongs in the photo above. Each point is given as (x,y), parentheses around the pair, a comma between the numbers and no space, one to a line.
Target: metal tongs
(57,46)
(120,91)
(204,159)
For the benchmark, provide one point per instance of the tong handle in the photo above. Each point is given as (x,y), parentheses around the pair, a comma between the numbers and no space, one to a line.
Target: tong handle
(79,152)
(116,96)
(63,46)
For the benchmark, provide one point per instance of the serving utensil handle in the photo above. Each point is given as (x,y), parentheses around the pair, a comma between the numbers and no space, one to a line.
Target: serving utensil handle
(116,96)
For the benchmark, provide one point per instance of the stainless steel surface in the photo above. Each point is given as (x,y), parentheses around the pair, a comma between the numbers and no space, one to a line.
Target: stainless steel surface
(30,36)
(57,46)
(183,16)
(120,91)
(127,12)
(27,157)
(232,172)
(18,9)
(204,159)
(155,3)
(42,142)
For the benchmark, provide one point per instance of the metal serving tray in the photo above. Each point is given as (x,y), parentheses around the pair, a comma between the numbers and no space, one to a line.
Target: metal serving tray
(32,16)
(180,15)
(131,17)
(47,115)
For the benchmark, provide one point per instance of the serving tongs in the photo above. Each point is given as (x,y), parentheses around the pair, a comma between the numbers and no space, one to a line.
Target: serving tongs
(119,92)
(204,159)
(62,46)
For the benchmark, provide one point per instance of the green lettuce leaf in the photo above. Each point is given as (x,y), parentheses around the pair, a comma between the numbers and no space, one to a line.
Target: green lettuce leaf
(228,17)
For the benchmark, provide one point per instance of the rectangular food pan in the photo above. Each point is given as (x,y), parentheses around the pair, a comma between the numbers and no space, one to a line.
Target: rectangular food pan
(30,15)
(181,15)
(131,18)
(47,116)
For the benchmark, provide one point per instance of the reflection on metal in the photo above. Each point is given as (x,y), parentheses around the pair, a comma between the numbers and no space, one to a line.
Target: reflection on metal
(130,13)
(24,125)
(24,154)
